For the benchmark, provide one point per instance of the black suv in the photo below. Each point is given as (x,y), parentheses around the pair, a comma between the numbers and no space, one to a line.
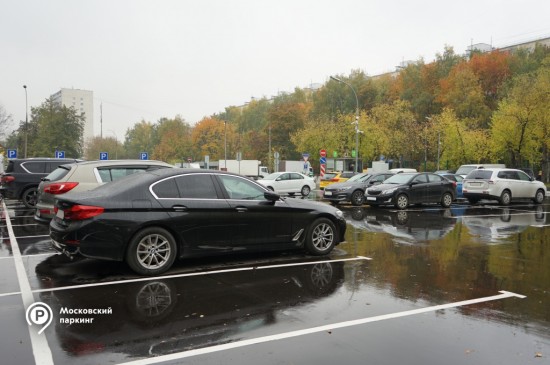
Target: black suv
(23,175)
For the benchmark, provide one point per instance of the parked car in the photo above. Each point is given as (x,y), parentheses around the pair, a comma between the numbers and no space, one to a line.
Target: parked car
(84,176)
(353,190)
(407,188)
(456,178)
(464,170)
(289,183)
(22,177)
(150,219)
(504,185)
(335,177)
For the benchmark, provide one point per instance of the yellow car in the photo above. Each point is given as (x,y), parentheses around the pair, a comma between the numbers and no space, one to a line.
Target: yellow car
(334,177)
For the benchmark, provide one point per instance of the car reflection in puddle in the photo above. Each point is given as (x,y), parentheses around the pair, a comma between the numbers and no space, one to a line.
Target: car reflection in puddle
(161,316)
(494,225)
(405,227)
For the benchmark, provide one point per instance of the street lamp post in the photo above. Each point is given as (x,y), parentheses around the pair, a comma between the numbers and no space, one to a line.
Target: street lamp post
(26,119)
(225,142)
(356,121)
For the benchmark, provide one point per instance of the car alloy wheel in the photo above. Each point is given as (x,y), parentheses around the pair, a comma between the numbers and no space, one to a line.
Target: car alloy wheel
(152,251)
(539,197)
(321,237)
(402,201)
(29,197)
(446,200)
(305,190)
(357,197)
(505,197)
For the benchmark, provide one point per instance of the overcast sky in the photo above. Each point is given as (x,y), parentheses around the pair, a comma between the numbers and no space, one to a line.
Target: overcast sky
(162,58)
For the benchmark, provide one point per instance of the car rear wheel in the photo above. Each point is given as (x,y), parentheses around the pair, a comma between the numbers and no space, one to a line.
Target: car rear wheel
(29,197)
(305,190)
(446,200)
(402,201)
(505,197)
(152,251)
(321,237)
(539,196)
(357,197)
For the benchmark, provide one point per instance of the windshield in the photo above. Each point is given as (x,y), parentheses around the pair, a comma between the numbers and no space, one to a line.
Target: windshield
(272,176)
(399,179)
(359,177)
(58,173)
(465,170)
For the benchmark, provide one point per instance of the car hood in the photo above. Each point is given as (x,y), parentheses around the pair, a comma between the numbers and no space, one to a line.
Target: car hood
(382,187)
(343,185)
(310,205)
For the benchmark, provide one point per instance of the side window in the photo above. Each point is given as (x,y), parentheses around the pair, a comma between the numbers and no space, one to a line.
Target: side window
(435,178)
(166,189)
(196,186)
(420,179)
(296,177)
(105,175)
(241,189)
(523,176)
(379,178)
(34,167)
(284,177)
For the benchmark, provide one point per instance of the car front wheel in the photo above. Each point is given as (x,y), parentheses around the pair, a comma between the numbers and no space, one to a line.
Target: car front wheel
(402,201)
(505,198)
(305,190)
(539,196)
(321,237)
(152,251)
(446,200)
(357,197)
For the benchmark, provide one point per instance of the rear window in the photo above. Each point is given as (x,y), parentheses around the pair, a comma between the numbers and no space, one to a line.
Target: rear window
(329,176)
(58,173)
(480,174)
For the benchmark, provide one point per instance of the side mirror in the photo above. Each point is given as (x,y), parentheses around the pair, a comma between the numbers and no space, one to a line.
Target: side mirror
(271,196)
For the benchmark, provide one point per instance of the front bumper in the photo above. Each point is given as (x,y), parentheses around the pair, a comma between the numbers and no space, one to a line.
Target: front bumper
(336,196)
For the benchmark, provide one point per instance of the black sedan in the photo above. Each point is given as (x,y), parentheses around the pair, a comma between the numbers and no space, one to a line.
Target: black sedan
(405,189)
(353,190)
(152,218)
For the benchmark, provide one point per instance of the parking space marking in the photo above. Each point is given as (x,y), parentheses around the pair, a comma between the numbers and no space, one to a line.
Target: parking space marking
(40,348)
(28,256)
(37,236)
(200,273)
(308,331)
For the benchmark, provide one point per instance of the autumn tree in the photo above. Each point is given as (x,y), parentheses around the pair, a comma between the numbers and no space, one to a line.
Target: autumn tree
(140,138)
(174,141)
(209,138)
(111,145)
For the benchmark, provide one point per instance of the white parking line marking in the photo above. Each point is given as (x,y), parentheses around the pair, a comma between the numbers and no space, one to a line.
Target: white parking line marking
(40,348)
(201,273)
(41,235)
(28,256)
(308,331)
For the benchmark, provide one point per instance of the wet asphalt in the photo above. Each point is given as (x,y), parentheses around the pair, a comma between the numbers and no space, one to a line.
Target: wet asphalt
(464,285)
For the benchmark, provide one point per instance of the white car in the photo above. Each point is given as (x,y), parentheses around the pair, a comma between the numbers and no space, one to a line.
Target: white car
(289,183)
(504,185)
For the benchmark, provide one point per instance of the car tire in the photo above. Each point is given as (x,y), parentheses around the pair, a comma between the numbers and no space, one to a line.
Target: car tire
(29,197)
(505,197)
(151,251)
(321,237)
(305,190)
(539,196)
(357,198)
(446,200)
(402,201)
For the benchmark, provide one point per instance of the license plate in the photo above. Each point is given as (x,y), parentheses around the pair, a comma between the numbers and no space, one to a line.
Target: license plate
(328,193)
(475,184)
(60,214)
(371,198)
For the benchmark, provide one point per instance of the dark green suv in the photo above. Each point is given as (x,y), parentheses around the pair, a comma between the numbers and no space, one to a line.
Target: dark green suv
(23,175)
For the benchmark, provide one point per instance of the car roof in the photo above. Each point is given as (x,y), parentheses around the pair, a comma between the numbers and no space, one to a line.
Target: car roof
(120,162)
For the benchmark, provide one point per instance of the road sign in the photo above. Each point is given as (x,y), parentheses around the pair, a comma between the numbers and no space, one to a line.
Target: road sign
(12,153)
(323,153)
(143,156)
(276,154)
(323,160)
(104,156)
(323,168)
(189,159)
(59,154)
(305,156)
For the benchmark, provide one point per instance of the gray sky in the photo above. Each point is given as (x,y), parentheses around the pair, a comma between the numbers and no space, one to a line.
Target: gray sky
(160,58)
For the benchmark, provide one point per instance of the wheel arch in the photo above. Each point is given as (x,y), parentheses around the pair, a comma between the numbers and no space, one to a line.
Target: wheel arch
(179,240)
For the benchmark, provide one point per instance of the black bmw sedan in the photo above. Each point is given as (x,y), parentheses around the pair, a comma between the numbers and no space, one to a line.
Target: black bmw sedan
(405,189)
(150,219)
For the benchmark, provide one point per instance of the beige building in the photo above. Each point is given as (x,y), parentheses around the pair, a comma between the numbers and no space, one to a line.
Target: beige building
(83,102)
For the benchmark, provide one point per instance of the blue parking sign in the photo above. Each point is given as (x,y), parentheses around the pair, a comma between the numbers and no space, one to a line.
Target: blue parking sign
(104,156)
(144,156)
(59,154)
(12,153)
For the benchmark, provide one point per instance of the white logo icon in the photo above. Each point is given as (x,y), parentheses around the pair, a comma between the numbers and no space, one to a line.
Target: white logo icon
(40,314)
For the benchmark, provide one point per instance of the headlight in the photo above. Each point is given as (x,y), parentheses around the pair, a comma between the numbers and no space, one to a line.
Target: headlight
(339,214)
(389,191)
(344,189)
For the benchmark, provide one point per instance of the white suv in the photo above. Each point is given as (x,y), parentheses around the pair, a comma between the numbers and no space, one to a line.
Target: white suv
(503,185)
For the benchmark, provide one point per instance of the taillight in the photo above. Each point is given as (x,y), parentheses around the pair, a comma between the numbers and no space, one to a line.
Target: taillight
(59,188)
(7,179)
(335,180)
(80,212)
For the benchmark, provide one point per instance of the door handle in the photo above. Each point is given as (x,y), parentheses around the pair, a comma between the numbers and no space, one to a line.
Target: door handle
(241,209)
(179,208)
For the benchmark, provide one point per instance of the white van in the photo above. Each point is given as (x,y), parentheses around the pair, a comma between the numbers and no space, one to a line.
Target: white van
(464,170)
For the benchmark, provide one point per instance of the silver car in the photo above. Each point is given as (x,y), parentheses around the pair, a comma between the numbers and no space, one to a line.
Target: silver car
(85,176)
(504,185)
